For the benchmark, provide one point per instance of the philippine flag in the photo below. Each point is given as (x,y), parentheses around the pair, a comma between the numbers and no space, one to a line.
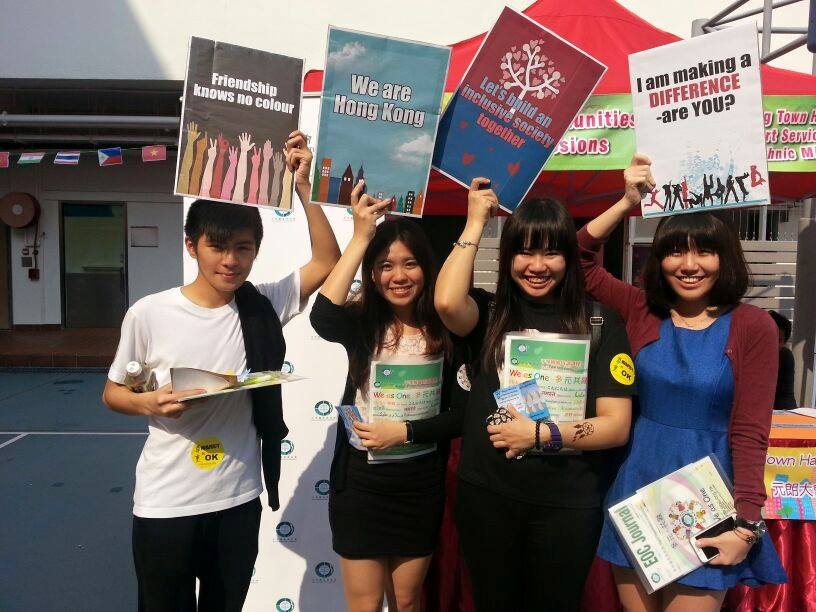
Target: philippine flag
(110,157)
(67,158)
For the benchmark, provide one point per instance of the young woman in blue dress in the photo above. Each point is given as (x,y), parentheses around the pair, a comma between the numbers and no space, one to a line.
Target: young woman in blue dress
(706,384)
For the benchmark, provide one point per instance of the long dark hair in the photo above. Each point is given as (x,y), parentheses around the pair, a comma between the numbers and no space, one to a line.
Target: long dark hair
(537,224)
(698,231)
(374,312)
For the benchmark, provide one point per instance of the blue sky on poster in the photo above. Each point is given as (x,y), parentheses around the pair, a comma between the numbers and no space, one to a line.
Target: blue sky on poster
(396,156)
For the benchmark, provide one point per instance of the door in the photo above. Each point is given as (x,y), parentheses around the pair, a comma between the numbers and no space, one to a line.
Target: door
(5,278)
(94,266)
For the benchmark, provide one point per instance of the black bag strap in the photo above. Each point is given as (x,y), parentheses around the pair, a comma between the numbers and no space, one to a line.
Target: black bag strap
(596,322)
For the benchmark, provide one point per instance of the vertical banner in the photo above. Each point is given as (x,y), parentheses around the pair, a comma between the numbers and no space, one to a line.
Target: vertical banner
(698,116)
(240,105)
(517,98)
(378,118)
(790,483)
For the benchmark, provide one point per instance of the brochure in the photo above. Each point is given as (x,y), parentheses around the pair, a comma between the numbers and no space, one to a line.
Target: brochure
(219,384)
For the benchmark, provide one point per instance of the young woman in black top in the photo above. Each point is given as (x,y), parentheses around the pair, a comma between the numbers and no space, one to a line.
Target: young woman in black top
(385,518)
(529,527)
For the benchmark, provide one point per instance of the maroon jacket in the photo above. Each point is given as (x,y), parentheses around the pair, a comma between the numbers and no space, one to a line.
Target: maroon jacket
(752,347)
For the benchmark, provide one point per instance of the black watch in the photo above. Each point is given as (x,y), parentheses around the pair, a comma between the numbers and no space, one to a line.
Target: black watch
(757,528)
(409,433)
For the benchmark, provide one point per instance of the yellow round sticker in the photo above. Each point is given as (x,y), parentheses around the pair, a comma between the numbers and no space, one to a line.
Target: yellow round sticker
(622,369)
(207,453)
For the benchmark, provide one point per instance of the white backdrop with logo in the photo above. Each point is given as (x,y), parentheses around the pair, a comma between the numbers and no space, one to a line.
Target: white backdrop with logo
(296,568)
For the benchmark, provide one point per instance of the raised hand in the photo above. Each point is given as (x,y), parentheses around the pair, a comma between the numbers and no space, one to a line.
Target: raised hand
(252,196)
(206,180)
(366,211)
(198,165)
(245,144)
(218,172)
(229,179)
(638,179)
(482,203)
(299,158)
(277,170)
(187,158)
(245,141)
(263,193)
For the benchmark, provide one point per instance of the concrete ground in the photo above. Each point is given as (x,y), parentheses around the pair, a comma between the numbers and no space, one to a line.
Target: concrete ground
(66,485)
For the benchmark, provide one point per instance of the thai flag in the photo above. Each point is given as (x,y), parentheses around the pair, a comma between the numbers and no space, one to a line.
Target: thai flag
(110,157)
(67,158)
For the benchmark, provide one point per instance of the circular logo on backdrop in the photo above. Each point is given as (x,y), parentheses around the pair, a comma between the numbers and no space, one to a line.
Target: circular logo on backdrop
(288,367)
(324,569)
(323,408)
(207,453)
(287,447)
(285,529)
(355,286)
(284,604)
(322,487)
(622,369)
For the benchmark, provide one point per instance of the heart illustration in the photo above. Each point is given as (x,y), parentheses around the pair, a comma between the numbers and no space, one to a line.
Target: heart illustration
(463,124)
(467,158)
(536,81)
(517,55)
(513,168)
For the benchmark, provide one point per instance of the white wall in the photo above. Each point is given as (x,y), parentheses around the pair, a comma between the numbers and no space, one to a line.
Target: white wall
(153,269)
(147,39)
(145,189)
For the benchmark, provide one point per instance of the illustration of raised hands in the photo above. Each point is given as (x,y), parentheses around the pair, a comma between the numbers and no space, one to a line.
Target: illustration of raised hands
(198,165)
(263,194)
(277,176)
(218,172)
(229,179)
(187,158)
(245,144)
(252,196)
(245,141)
(206,180)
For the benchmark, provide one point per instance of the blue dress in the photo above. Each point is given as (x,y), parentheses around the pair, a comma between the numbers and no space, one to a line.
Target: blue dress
(686,388)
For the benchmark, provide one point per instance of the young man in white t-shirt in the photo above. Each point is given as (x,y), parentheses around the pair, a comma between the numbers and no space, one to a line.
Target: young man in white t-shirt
(198,479)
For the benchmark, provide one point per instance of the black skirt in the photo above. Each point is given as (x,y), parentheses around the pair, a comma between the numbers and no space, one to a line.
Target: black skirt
(389,509)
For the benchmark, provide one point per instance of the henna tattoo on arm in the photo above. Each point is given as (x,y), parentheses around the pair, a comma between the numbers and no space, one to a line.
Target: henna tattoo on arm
(583,430)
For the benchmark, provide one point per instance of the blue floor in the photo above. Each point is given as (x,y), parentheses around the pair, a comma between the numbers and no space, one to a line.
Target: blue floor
(66,491)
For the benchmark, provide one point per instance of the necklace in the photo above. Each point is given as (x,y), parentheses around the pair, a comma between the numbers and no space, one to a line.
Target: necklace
(701,321)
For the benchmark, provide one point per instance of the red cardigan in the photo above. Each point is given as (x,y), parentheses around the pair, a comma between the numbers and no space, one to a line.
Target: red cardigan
(752,348)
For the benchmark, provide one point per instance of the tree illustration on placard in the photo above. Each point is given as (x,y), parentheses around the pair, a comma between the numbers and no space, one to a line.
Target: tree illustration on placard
(530,72)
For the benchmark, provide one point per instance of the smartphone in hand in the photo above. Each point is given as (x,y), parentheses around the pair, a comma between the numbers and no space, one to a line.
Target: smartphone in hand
(707,553)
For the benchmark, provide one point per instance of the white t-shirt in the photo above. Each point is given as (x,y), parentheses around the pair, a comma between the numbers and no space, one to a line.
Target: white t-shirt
(208,459)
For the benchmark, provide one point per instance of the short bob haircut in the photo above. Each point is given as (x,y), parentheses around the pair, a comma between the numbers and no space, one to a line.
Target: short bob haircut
(704,231)
(219,222)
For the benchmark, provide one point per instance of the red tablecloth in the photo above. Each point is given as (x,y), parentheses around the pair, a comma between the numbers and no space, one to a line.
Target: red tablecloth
(447,588)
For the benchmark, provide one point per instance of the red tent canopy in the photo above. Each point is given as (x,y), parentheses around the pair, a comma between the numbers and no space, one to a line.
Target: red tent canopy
(610,33)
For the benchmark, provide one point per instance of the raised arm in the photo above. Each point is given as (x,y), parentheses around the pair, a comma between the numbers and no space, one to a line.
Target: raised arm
(456,308)
(365,210)
(600,284)
(325,251)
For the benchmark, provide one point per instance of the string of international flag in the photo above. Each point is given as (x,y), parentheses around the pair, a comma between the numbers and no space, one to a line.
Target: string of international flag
(111,156)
